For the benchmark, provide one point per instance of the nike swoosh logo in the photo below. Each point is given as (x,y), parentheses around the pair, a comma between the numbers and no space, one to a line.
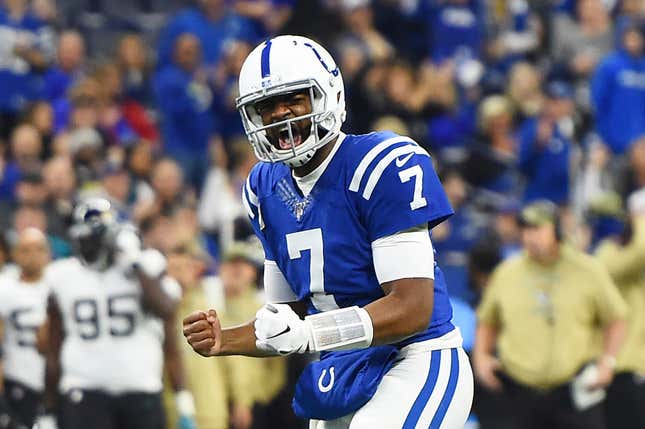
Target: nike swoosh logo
(283,332)
(401,162)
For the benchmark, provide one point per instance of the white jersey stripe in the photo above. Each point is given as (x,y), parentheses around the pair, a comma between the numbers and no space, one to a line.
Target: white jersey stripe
(245,202)
(376,174)
(369,157)
(253,199)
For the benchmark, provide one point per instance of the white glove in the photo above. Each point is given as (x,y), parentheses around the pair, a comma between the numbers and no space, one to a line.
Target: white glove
(127,246)
(278,329)
(45,421)
(152,263)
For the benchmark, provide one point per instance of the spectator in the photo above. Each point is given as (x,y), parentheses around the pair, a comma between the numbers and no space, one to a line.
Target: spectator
(506,229)
(633,177)
(169,193)
(491,162)
(134,64)
(27,47)
(115,182)
(211,22)
(26,151)
(86,147)
(515,32)
(140,162)
(551,291)
(524,90)
(41,115)
(455,28)
(545,147)
(618,92)
(454,238)
(34,217)
(360,40)
(185,102)
(69,67)
(122,120)
(226,89)
(595,175)
(60,182)
(30,191)
(80,109)
(267,17)
(579,44)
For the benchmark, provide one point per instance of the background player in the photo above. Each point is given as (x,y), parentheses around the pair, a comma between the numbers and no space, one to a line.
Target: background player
(23,303)
(107,313)
(344,221)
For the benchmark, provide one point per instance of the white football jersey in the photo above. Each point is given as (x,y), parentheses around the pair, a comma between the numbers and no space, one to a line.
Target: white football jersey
(23,308)
(111,343)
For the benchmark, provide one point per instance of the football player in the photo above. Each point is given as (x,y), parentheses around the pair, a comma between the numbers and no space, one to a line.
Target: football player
(23,303)
(345,221)
(108,311)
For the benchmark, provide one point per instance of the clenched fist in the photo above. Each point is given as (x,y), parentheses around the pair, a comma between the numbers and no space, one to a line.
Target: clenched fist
(203,332)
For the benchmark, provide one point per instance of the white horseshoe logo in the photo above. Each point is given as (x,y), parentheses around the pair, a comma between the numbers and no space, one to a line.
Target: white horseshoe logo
(321,386)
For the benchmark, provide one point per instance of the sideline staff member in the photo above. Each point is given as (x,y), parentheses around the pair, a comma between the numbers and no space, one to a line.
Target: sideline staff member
(625,260)
(544,311)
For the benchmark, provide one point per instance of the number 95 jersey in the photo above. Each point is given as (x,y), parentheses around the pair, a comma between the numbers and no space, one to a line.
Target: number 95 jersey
(372,186)
(111,344)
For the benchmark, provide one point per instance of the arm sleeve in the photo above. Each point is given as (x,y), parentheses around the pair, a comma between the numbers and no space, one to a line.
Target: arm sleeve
(276,287)
(622,262)
(609,304)
(398,190)
(403,255)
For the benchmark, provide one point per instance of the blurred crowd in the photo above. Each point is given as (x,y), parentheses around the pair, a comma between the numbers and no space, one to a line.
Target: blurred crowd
(517,101)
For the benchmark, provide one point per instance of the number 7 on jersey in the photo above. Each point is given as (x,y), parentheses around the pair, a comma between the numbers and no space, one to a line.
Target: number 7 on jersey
(312,240)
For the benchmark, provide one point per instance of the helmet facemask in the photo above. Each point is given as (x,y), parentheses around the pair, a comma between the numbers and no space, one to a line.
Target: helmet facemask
(90,236)
(291,150)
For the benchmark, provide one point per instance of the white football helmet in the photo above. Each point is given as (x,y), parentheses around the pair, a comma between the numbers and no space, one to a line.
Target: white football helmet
(280,66)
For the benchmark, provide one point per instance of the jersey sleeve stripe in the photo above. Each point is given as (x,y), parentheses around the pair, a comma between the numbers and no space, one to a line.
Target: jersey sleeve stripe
(253,199)
(370,156)
(245,202)
(376,174)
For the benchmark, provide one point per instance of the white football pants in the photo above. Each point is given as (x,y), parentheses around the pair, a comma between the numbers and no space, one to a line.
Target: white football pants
(428,387)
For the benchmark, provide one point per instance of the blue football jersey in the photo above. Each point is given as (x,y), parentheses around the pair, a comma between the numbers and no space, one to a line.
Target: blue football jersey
(374,186)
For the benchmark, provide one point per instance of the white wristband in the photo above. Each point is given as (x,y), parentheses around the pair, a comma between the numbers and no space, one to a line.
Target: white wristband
(185,403)
(343,329)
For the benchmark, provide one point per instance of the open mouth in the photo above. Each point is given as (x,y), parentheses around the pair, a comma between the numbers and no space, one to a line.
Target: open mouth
(284,140)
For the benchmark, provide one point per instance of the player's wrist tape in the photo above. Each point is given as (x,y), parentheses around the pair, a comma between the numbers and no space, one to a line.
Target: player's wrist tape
(343,329)
(185,403)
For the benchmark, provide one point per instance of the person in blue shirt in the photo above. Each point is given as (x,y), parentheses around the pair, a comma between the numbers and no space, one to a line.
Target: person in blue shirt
(68,69)
(345,222)
(185,103)
(618,92)
(454,28)
(545,147)
(26,47)
(212,22)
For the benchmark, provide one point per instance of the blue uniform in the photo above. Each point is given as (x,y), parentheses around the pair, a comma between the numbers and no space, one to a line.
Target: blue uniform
(374,186)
